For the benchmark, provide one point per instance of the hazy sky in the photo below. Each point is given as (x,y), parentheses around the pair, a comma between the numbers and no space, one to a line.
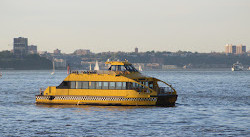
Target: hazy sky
(122,25)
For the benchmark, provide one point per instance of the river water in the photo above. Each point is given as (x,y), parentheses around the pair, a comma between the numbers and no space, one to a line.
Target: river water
(210,103)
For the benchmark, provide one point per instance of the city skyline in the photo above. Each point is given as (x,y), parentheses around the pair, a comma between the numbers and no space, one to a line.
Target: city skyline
(121,26)
(22,47)
(33,48)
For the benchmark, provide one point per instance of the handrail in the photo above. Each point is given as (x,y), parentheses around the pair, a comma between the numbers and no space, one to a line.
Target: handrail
(93,72)
(142,85)
(105,72)
(166,84)
(42,91)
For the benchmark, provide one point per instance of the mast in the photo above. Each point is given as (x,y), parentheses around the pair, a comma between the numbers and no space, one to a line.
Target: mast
(68,70)
(96,66)
(140,69)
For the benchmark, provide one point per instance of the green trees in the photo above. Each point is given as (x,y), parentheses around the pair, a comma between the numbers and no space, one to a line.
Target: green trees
(33,61)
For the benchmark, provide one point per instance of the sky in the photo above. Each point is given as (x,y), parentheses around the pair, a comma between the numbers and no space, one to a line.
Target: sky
(122,25)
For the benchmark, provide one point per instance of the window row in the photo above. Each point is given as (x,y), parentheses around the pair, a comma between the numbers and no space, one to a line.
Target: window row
(103,85)
(130,68)
(97,85)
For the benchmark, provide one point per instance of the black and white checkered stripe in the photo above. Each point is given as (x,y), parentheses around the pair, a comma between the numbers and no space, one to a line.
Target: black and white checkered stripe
(97,98)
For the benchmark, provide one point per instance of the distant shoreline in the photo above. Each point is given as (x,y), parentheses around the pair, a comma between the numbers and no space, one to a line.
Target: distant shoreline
(194,69)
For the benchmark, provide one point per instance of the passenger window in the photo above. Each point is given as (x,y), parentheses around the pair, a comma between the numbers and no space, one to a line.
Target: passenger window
(105,85)
(98,85)
(150,84)
(135,85)
(118,85)
(142,84)
(129,85)
(116,68)
(119,68)
(111,85)
(124,85)
(78,85)
(113,68)
(123,68)
(85,85)
(91,85)
(65,84)
(72,84)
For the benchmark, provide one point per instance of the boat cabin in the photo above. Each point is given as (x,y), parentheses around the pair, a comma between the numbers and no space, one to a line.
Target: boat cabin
(121,66)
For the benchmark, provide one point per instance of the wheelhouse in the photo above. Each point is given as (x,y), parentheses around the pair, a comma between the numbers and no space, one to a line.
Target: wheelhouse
(121,66)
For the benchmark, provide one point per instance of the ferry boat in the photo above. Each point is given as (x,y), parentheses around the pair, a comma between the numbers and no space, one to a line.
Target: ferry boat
(237,66)
(121,84)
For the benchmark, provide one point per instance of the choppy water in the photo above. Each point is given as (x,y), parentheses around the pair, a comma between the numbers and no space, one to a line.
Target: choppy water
(210,103)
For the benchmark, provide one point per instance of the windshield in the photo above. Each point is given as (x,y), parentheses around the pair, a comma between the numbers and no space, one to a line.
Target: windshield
(130,68)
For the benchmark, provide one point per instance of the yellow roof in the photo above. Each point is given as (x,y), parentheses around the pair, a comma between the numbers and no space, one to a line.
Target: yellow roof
(106,77)
(118,63)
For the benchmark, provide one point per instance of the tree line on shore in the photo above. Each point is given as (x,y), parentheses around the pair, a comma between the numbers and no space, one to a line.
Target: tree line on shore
(180,59)
(27,62)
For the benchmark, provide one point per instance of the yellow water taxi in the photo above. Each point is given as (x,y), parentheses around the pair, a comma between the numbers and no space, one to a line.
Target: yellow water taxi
(121,84)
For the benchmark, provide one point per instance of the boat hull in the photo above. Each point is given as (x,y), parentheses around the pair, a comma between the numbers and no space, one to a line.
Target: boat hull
(237,69)
(166,100)
(107,100)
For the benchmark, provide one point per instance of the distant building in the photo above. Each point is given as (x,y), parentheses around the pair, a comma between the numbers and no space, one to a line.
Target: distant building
(82,52)
(20,46)
(42,52)
(165,67)
(57,51)
(136,50)
(240,49)
(229,48)
(32,49)
(232,49)
(153,66)
(139,65)
(248,53)
(60,63)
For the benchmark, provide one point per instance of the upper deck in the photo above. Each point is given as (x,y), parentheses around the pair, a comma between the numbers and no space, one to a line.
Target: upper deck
(116,68)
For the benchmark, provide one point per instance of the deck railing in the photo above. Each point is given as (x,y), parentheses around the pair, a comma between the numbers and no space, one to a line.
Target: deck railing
(166,90)
(42,91)
(93,72)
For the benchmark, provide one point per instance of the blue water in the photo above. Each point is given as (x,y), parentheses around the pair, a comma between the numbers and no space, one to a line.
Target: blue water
(210,103)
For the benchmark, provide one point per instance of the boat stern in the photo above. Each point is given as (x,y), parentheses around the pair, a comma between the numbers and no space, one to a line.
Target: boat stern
(166,96)
(166,100)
